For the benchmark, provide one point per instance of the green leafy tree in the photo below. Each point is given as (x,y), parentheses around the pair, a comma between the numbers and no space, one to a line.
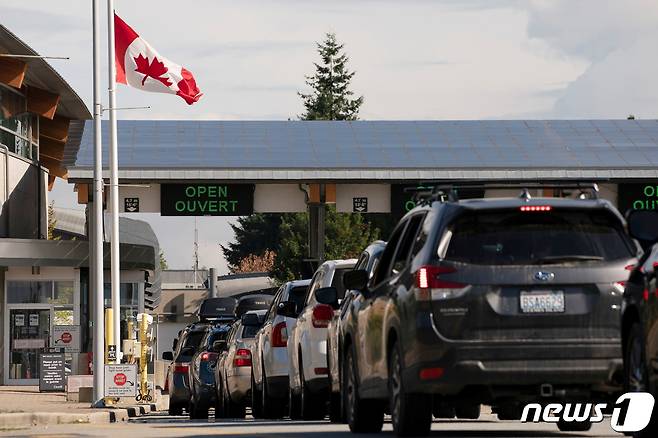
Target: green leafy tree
(163,261)
(254,235)
(346,236)
(331,97)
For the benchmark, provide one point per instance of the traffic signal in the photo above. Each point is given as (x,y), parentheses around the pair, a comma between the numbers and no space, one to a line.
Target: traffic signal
(151,299)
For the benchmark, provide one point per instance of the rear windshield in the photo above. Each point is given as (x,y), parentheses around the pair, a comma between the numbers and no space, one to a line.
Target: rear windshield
(216,336)
(193,339)
(249,331)
(298,295)
(514,237)
(337,281)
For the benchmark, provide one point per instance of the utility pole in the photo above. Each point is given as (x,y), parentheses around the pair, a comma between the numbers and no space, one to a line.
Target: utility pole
(96,236)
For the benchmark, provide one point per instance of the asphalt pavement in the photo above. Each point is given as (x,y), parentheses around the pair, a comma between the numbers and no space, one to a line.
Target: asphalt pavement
(161,425)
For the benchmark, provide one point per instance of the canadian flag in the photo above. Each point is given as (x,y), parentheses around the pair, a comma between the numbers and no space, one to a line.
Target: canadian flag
(141,66)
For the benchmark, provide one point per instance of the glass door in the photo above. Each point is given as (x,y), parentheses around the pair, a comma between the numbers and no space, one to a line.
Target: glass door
(29,335)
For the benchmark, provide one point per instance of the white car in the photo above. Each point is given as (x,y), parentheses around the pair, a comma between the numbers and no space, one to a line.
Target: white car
(270,354)
(307,344)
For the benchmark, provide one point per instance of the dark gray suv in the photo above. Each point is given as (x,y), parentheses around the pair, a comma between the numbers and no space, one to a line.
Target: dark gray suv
(488,301)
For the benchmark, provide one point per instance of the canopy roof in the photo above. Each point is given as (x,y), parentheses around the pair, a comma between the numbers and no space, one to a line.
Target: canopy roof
(378,150)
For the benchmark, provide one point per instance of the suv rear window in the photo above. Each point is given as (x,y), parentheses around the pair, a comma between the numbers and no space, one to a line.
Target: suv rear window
(520,238)
(249,331)
(337,281)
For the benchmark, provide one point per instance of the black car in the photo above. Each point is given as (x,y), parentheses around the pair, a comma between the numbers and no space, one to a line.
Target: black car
(640,315)
(367,261)
(487,301)
(202,372)
(178,382)
(251,302)
(217,310)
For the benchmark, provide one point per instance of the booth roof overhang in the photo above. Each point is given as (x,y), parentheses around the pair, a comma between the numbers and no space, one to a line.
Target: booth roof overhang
(292,151)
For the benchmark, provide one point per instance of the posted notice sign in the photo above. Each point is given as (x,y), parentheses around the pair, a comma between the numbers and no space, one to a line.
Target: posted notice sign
(206,199)
(120,380)
(52,372)
(67,337)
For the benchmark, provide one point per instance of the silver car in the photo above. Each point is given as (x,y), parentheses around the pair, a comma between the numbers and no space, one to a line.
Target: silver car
(233,369)
(270,354)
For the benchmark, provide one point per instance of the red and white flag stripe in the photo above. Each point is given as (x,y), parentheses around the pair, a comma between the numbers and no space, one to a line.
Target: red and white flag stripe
(139,65)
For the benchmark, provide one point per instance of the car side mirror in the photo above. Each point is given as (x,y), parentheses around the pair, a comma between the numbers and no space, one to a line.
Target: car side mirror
(327,295)
(356,279)
(643,225)
(250,319)
(287,309)
(174,344)
(167,355)
(218,346)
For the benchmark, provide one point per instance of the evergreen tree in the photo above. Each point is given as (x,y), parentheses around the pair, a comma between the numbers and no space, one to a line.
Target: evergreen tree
(331,98)
(254,235)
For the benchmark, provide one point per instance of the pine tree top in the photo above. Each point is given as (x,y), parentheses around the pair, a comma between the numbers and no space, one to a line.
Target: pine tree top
(331,97)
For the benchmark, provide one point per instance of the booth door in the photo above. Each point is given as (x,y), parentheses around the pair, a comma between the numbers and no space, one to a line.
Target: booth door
(29,334)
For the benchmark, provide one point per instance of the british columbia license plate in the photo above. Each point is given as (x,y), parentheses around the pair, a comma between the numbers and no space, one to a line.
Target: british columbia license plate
(542,301)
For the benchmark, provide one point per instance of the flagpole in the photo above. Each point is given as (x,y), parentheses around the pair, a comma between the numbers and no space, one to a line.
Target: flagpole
(114,184)
(96,234)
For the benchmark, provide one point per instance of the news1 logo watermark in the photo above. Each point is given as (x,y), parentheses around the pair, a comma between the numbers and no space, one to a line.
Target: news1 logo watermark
(630,413)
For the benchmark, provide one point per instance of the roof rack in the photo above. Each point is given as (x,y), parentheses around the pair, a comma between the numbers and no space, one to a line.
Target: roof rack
(426,193)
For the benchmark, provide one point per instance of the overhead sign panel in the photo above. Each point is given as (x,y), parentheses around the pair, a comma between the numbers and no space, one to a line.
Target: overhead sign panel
(206,199)
(638,196)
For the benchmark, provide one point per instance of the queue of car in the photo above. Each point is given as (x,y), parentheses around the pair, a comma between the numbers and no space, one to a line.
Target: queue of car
(497,302)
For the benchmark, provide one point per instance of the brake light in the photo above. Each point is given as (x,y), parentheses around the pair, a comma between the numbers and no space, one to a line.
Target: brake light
(645,295)
(242,358)
(430,284)
(208,356)
(181,368)
(431,373)
(536,208)
(280,335)
(322,314)
(321,371)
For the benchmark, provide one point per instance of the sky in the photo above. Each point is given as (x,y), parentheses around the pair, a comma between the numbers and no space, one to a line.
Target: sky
(414,59)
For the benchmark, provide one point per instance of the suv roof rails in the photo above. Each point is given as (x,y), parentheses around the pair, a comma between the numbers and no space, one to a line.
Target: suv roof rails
(426,193)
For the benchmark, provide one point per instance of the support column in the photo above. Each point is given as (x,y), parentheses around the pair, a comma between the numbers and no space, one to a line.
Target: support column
(316,227)
(212,276)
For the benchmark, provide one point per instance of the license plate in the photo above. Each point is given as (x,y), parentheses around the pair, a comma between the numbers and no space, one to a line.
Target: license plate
(542,301)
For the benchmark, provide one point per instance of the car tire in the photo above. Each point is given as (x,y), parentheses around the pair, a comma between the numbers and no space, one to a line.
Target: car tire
(175,409)
(256,399)
(468,412)
(311,406)
(411,414)
(271,408)
(294,405)
(235,410)
(197,412)
(582,426)
(335,408)
(363,416)
(636,375)
(220,406)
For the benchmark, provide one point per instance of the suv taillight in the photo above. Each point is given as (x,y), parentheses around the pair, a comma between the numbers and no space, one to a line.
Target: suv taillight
(242,358)
(280,335)
(322,314)
(431,286)
(181,368)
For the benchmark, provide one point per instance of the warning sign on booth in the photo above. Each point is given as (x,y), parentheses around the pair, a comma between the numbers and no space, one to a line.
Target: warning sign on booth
(67,337)
(120,380)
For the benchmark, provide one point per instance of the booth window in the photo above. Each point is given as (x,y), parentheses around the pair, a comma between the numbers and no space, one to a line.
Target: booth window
(19,130)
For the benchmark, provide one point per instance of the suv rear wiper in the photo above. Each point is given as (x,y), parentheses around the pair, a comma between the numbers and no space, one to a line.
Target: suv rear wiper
(567,258)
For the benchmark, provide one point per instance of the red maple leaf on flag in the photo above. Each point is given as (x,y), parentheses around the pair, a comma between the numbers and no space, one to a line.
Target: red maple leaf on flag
(154,70)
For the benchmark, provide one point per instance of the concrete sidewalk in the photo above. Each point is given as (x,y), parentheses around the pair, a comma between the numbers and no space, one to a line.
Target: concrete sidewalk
(25,406)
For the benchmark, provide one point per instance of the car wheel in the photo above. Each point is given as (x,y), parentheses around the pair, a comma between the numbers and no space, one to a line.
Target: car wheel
(335,408)
(235,410)
(468,412)
(256,399)
(581,426)
(636,375)
(197,412)
(312,406)
(411,414)
(175,409)
(272,408)
(363,416)
(220,406)
(294,405)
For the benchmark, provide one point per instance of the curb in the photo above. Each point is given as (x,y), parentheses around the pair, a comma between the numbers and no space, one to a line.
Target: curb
(112,415)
